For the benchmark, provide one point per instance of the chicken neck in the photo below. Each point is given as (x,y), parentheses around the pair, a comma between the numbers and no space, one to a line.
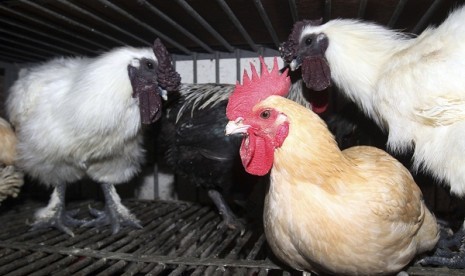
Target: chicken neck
(367,46)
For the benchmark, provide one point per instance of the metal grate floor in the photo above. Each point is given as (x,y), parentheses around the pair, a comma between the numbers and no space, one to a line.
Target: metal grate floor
(178,238)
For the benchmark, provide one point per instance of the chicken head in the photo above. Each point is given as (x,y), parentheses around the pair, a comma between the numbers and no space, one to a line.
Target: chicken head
(264,129)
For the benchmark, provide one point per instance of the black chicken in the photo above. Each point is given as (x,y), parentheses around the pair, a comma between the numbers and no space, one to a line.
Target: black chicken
(193,145)
(351,127)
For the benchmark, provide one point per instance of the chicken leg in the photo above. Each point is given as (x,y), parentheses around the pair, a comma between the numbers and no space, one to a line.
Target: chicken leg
(229,219)
(54,215)
(115,212)
(444,255)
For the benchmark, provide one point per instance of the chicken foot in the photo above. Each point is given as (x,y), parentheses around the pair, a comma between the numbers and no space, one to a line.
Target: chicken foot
(229,218)
(444,255)
(448,240)
(54,215)
(115,212)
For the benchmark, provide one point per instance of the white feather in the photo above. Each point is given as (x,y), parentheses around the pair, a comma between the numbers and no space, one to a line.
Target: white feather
(77,116)
(413,87)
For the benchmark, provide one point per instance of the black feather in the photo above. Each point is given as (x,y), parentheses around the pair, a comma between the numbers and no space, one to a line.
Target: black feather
(193,144)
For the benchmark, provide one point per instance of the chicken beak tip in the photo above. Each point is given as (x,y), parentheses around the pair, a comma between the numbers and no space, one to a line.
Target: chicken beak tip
(230,128)
(234,127)
(294,65)
(164,94)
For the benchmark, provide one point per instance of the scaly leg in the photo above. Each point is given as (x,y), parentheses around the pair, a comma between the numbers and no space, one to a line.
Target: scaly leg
(444,255)
(230,220)
(115,212)
(54,215)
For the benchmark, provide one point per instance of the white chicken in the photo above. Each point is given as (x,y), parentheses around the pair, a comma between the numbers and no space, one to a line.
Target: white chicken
(78,117)
(413,87)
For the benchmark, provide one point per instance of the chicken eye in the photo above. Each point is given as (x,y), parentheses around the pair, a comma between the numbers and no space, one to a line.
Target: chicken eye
(265,114)
(149,65)
(308,41)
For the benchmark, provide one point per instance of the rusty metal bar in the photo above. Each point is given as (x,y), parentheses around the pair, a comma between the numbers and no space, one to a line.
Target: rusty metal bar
(294,12)
(162,231)
(215,253)
(47,36)
(105,242)
(194,67)
(57,265)
(177,239)
(426,17)
(327,11)
(23,52)
(176,25)
(80,240)
(69,4)
(205,24)
(145,25)
(362,7)
(192,232)
(181,251)
(72,36)
(266,20)
(71,21)
(238,24)
(128,243)
(217,67)
(397,12)
(15,58)
(25,37)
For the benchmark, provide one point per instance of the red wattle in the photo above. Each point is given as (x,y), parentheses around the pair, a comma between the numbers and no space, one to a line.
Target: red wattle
(257,155)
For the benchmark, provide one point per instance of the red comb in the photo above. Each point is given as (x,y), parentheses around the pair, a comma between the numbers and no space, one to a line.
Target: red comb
(253,90)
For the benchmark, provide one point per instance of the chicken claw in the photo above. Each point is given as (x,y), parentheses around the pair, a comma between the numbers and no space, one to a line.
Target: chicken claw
(229,219)
(455,261)
(445,255)
(54,215)
(115,213)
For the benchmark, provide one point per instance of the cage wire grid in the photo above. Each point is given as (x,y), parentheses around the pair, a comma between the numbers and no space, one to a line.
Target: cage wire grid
(177,238)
